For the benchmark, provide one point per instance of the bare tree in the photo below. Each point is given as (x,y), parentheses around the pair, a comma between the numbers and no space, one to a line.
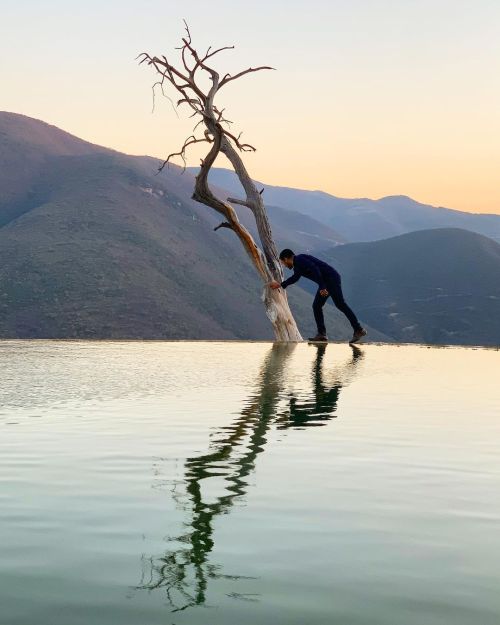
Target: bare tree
(185,78)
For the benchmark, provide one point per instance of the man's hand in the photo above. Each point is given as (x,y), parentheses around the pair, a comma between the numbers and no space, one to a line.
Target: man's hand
(324,293)
(275,285)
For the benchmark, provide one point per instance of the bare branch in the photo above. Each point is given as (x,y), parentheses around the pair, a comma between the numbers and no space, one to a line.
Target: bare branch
(224,224)
(227,78)
(145,56)
(160,84)
(187,30)
(201,121)
(194,103)
(182,153)
(243,147)
(199,62)
(184,62)
(208,56)
(220,117)
(233,200)
(170,72)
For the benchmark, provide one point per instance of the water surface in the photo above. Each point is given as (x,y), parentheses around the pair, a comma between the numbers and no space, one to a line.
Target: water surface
(223,483)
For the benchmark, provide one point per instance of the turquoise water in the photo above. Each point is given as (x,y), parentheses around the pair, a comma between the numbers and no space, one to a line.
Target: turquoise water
(224,483)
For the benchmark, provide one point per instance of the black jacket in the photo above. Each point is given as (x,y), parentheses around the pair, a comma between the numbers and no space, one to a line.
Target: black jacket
(314,269)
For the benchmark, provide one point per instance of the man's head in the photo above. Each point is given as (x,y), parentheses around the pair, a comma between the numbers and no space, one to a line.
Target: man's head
(286,258)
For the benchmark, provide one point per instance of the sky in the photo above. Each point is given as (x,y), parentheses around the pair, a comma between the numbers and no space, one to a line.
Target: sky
(369,98)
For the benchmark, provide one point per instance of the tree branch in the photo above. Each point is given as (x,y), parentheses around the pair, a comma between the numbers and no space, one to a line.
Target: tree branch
(224,224)
(208,56)
(243,147)
(228,78)
(160,83)
(189,141)
(233,200)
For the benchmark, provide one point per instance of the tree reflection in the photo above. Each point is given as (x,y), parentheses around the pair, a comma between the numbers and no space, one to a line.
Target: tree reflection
(184,571)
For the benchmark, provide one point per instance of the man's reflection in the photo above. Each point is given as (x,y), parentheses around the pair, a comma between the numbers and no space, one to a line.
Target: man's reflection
(313,409)
(184,572)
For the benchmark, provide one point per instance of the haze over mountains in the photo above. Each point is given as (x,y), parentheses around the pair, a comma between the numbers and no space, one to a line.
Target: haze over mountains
(362,219)
(430,286)
(94,244)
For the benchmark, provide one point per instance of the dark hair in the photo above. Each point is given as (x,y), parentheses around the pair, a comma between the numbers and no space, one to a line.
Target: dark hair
(286,253)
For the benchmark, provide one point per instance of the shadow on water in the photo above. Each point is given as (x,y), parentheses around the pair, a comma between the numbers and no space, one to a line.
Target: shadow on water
(184,572)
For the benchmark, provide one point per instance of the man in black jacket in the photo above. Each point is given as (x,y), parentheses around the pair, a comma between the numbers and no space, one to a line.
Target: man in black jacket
(329,285)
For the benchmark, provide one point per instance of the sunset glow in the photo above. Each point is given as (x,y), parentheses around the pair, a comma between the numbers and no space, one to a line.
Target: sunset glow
(370,98)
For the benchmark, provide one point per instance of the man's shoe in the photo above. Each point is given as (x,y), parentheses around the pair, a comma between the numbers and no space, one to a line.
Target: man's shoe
(319,338)
(358,334)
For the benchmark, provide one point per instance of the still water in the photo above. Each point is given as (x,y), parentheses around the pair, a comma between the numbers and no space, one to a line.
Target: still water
(244,483)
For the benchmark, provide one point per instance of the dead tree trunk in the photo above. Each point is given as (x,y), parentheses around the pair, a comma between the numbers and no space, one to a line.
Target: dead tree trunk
(201,101)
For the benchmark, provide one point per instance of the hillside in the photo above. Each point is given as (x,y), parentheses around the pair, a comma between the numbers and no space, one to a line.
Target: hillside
(433,286)
(292,229)
(363,219)
(94,244)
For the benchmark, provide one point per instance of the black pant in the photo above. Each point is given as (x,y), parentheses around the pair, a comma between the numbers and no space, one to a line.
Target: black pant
(334,289)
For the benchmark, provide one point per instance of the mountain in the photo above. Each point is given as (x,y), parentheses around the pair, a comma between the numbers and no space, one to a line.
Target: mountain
(94,244)
(363,219)
(433,286)
(292,229)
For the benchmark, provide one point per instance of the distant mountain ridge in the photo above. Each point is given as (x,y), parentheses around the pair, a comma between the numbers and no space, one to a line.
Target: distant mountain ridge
(93,244)
(363,219)
(431,286)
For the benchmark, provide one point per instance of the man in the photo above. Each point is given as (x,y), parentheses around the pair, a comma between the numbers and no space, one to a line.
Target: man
(329,285)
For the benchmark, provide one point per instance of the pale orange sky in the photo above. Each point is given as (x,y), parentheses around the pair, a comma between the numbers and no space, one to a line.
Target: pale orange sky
(370,97)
